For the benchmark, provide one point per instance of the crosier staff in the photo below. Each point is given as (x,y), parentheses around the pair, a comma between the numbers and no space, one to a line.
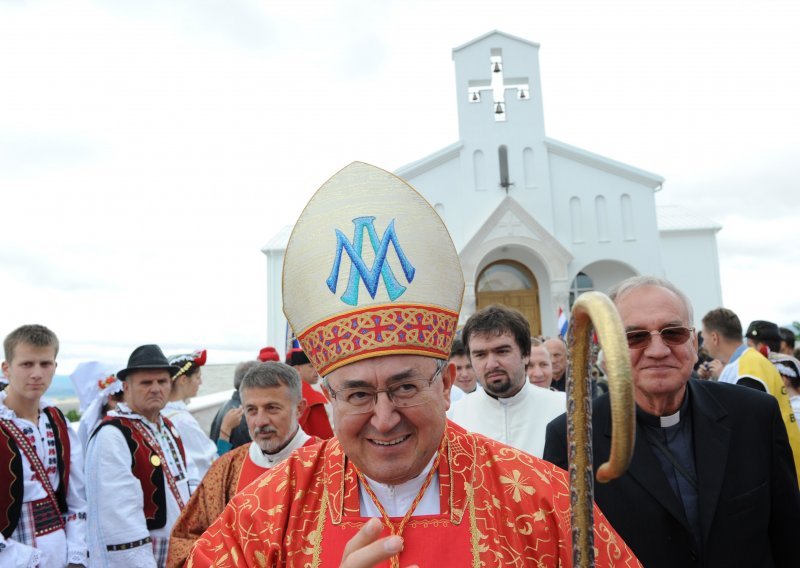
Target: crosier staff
(594,310)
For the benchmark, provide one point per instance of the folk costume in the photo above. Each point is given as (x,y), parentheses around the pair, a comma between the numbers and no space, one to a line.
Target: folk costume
(789,368)
(95,383)
(137,480)
(519,421)
(394,289)
(749,365)
(42,502)
(228,475)
(199,447)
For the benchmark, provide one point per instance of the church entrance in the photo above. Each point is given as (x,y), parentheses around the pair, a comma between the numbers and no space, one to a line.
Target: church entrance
(510,283)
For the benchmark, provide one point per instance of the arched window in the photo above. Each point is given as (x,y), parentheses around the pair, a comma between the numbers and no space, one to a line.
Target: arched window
(479,170)
(601,214)
(576,220)
(505,276)
(527,160)
(628,231)
(581,284)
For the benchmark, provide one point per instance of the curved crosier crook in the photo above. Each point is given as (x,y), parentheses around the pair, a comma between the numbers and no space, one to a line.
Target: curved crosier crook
(594,310)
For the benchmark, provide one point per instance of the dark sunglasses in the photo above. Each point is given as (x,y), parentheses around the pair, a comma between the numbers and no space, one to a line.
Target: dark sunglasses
(673,336)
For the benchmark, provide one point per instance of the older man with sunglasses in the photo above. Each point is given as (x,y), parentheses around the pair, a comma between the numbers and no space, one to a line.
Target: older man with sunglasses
(712,481)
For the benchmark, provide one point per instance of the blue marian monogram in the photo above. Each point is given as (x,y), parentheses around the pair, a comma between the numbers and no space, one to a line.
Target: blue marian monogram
(380,268)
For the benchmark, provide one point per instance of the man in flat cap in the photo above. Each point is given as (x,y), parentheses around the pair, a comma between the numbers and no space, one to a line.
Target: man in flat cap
(399,484)
(137,476)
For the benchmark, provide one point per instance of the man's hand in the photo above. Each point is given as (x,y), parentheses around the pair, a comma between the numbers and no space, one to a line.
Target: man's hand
(366,550)
(715,368)
(231,419)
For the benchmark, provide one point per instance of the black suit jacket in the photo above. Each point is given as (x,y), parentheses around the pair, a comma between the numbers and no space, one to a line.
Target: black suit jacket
(240,435)
(748,492)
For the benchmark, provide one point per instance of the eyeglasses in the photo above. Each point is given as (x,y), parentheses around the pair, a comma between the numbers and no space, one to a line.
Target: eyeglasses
(672,336)
(360,400)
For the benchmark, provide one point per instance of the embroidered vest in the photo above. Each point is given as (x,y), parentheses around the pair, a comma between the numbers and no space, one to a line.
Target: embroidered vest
(12,494)
(150,475)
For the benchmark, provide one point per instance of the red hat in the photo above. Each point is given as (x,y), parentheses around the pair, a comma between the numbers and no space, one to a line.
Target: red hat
(268,354)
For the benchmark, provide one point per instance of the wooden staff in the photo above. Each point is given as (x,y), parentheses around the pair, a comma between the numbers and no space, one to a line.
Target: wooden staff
(594,310)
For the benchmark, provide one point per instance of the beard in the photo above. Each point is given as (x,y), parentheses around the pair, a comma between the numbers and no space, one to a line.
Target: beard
(273,444)
(499,387)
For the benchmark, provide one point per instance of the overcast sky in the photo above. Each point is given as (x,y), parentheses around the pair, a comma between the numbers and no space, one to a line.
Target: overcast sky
(150,148)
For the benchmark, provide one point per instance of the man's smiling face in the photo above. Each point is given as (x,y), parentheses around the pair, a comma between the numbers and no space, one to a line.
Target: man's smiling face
(388,444)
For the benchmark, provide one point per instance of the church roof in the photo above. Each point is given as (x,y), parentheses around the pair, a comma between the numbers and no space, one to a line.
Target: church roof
(430,161)
(602,163)
(677,218)
(491,33)
(279,241)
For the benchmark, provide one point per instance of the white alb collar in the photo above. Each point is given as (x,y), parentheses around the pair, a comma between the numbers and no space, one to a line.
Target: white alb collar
(396,499)
(271,460)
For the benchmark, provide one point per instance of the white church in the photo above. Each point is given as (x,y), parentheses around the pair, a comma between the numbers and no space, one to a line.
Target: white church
(536,221)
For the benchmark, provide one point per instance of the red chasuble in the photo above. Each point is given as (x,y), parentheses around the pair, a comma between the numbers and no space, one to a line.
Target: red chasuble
(499,507)
(228,475)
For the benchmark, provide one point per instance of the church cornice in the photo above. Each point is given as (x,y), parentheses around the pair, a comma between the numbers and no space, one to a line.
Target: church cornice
(279,241)
(429,162)
(491,33)
(649,179)
(499,230)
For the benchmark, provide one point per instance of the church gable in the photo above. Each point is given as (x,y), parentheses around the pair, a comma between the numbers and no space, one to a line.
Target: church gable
(511,224)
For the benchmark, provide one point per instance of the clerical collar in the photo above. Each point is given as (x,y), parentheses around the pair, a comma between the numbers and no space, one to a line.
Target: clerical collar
(396,499)
(664,421)
(519,395)
(270,460)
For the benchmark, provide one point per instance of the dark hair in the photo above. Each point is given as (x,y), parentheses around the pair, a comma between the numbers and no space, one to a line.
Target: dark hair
(457,349)
(766,332)
(497,320)
(724,322)
(32,334)
(240,371)
(787,336)
(273,374)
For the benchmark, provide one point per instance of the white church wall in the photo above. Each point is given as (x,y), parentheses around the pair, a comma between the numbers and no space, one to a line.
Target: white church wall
(610,227)
(691,262)
(276,321)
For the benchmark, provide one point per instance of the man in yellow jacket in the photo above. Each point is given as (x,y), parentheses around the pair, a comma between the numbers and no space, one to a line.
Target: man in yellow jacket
(746,364)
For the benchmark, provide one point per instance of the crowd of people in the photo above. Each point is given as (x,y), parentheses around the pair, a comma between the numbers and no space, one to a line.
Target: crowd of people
(309,465)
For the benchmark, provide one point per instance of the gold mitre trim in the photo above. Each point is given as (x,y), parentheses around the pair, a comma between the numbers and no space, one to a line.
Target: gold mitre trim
(389,329)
